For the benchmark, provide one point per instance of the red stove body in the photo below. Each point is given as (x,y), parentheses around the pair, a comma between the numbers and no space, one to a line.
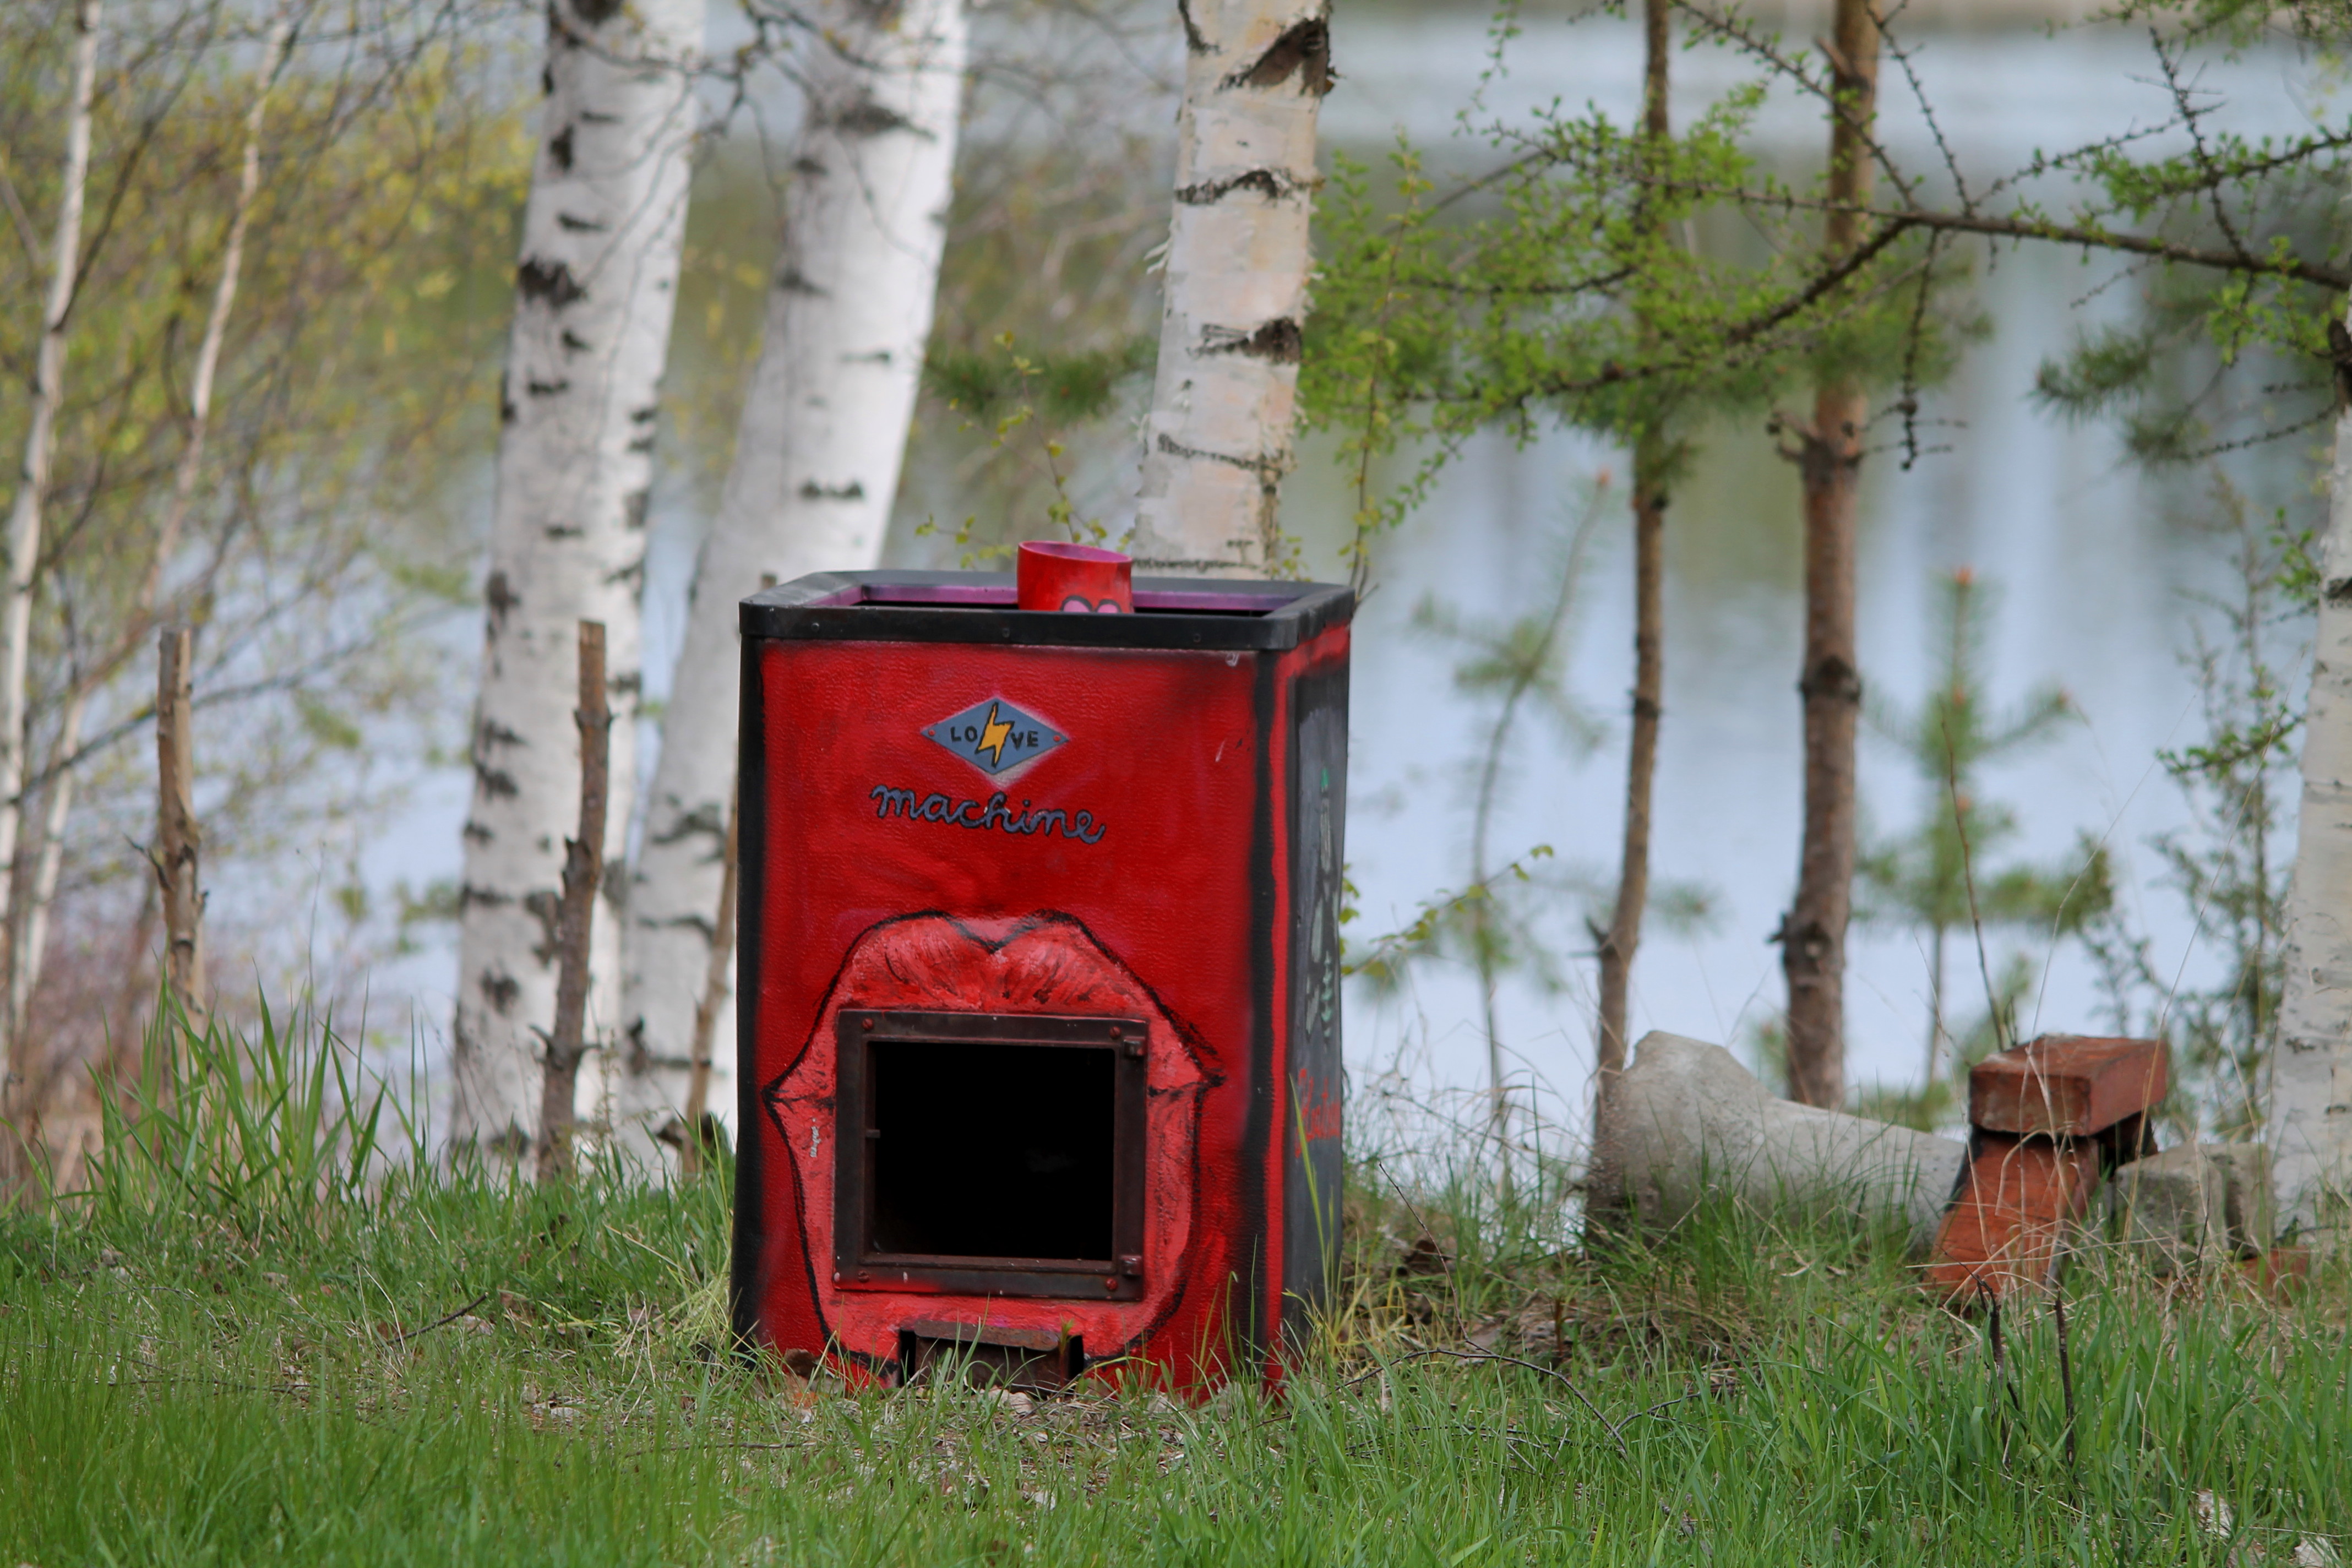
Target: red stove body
(1039,966)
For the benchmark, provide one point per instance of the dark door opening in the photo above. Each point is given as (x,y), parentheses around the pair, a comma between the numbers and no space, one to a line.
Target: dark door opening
(987,1151)
(992,1154)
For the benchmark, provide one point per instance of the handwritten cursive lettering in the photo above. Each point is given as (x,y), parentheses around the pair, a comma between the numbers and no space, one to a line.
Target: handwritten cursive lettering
(994,812)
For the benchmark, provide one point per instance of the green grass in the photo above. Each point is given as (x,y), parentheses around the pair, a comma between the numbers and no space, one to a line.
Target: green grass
(204,1364)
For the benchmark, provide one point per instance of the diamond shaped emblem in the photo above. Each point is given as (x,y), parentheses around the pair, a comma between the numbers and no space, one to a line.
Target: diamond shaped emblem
(994,736)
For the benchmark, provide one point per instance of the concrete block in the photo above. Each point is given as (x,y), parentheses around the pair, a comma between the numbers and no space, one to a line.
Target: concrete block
(2252,1204)
(1688,1122)
(2172,1208)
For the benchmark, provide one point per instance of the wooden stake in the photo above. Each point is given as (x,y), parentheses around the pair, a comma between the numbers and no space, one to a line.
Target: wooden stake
(705,1012)
(178,838)
(583,870)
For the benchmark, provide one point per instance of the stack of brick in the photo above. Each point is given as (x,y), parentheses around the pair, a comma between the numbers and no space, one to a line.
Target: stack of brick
(2047,1121)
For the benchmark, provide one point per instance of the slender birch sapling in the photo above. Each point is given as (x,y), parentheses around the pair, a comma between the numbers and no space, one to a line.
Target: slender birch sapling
(23,538)
(24,974)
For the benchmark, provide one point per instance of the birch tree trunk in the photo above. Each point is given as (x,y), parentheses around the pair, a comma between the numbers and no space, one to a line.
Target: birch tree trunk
(25,542)
(1829,457)
(593,297)
(1218,439)
(817,452)
(2311,1075)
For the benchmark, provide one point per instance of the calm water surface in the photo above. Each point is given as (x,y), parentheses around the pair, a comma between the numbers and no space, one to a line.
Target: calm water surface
(2092,562)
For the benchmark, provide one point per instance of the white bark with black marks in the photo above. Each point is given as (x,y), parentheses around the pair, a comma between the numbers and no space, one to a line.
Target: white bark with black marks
(1218,440)
(19,583)
(817,454)
(2311,1080)
(595,291)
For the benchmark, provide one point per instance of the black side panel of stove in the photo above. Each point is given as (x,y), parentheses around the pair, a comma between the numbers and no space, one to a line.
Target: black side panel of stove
(751,1126)
(1247,1291)
(1312,1170)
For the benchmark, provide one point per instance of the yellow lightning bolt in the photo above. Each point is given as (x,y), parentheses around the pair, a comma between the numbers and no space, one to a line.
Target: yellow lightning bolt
(992,736)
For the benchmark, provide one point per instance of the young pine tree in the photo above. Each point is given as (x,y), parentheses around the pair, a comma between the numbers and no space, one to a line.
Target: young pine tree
(1943,879)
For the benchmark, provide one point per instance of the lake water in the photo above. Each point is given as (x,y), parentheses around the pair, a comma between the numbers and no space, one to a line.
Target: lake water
(2090,558)
(2092,562)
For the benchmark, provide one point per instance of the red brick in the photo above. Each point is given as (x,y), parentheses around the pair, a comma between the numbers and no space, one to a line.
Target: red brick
(2282,1271)
(2066,1086)
(2019,1201)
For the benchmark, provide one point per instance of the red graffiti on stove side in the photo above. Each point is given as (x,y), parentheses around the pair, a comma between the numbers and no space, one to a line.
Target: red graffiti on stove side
(1318,1112)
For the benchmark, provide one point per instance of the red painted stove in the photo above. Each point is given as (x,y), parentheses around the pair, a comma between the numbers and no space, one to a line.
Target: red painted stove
(1039,961)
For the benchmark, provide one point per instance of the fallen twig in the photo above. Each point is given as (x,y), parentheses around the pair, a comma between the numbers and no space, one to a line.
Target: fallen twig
(440,1323)
(701,1447)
